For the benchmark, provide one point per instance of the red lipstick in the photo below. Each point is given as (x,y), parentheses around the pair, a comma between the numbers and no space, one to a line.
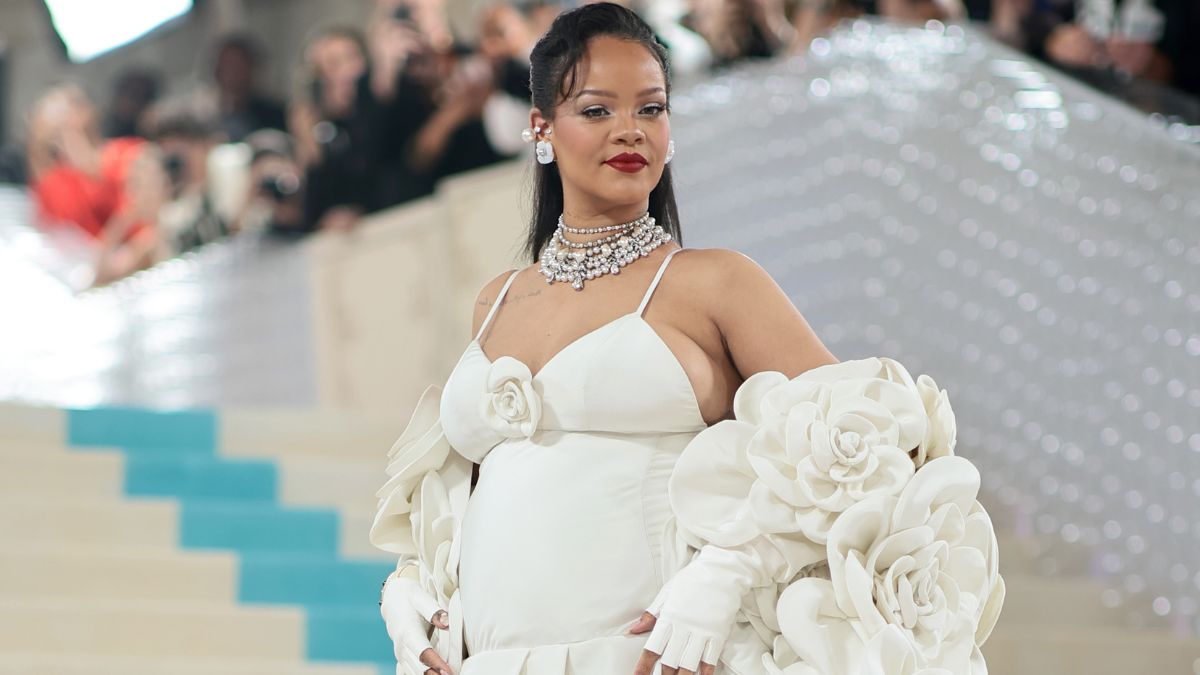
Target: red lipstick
(629,162)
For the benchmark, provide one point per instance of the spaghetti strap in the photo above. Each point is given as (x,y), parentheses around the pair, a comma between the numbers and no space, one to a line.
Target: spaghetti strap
(654,284)
(496,305)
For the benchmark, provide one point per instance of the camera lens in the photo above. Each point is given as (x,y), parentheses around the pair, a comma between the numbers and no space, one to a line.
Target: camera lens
(280,186)
(173,166)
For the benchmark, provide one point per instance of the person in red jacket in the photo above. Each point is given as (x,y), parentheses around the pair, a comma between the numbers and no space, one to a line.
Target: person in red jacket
(110,190)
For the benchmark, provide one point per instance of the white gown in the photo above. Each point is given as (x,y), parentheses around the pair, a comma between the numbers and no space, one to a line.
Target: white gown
(599,481)
(563,535)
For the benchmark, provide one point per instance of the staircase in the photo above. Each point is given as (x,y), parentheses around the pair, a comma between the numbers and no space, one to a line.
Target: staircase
(235,543)
(190,542)
(1060,626)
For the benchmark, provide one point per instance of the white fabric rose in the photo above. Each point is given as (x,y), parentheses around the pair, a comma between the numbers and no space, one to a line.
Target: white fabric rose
(511,406)
(887,654)
(914,583)
(943,430)
(798,453)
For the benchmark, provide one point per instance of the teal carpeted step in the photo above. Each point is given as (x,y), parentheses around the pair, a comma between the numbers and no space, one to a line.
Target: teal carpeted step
(133,428)
(251,526)
(190,476)
(310,580)
(287,555)
(343,634)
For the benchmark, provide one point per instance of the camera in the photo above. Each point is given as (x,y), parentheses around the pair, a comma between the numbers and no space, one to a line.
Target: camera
(174,167)
(279,187)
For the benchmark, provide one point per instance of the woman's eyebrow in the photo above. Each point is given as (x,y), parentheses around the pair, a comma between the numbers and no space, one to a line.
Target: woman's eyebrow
(605,92)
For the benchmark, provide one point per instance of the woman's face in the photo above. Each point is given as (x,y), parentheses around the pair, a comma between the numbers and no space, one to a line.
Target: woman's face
(337,59)
(619,106)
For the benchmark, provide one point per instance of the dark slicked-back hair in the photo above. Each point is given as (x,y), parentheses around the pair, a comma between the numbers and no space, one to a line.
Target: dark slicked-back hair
(554,77)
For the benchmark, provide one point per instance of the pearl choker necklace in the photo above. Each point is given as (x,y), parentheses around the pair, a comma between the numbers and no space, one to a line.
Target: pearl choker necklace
(579,261)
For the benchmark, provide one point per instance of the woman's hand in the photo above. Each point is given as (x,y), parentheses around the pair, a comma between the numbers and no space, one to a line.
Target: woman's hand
(694,612)
(1071,45)
(646,663)
(408,612)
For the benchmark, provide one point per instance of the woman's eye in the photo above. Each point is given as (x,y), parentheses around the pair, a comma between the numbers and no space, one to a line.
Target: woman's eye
(597,111)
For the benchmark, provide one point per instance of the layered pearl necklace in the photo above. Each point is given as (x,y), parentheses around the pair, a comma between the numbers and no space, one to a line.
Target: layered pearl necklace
(579,261)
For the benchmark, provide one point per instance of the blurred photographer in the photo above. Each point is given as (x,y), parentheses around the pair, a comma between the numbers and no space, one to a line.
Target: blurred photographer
(242,105)
(110,192)
(437,100)
(274,195)
(336,122)
(740,29)
(1120,40)
(186,135)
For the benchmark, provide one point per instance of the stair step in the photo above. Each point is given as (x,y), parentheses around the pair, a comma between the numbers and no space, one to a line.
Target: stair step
(1018,555)
(99,664)
(142,429)
(311,580)
(348,634)
(344,483)
(195,476)
(1087,650)
(20,422)
(1023,555)
(122,574)
(318,433)
(166,630)
(25,471)
(355,539)
(253,526)
(1034,600)
(93,521)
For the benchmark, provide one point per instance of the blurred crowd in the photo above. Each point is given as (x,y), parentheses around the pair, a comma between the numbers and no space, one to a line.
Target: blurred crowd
(381,113)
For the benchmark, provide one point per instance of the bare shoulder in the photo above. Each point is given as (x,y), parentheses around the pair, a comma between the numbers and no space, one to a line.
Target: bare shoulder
(730,272)
(486,297)
(761,327)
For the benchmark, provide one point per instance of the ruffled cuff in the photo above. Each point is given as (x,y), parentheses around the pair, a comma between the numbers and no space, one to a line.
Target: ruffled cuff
(420,511)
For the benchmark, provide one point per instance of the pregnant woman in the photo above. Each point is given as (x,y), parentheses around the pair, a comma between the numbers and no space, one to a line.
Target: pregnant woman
(646,461)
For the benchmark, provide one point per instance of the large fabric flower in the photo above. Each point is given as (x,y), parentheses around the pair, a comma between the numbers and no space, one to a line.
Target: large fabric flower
(914,583)
(798,453)
(511,405)
(887,654)
(943,430)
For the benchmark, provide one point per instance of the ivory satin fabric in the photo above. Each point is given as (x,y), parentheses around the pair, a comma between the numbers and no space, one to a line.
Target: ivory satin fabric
(562,539)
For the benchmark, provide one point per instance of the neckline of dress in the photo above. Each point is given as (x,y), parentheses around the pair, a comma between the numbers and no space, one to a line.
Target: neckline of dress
(693,399)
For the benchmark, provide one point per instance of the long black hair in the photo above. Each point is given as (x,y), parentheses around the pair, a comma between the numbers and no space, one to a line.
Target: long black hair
(552,62)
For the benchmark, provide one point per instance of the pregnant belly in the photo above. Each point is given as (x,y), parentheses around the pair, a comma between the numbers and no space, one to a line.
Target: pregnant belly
(555,543)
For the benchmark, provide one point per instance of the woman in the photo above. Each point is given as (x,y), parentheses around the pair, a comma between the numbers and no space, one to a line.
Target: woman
(582,399)
(111,191)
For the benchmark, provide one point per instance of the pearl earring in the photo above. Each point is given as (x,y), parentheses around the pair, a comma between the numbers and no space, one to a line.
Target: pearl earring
(544,151)
(670,152)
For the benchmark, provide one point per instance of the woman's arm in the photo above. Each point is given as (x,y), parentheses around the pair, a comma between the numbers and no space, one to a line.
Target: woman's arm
(760,327)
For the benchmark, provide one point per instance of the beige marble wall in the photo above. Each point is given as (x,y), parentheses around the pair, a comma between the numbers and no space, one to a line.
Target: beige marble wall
(392,301)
